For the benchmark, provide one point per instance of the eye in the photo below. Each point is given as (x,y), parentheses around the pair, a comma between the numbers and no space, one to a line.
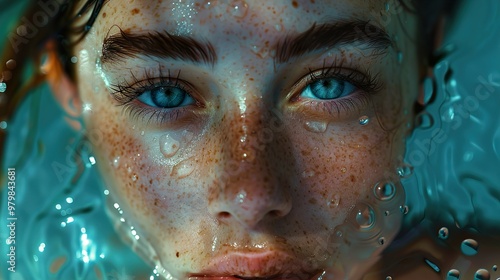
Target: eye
(166,97)
(327,88)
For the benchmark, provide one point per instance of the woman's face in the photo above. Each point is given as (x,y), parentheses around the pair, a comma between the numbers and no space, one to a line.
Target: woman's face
(248,138)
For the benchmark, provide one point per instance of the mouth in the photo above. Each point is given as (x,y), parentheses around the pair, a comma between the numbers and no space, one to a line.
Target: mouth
(258,266)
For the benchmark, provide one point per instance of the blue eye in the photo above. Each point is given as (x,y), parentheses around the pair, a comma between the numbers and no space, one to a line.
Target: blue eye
(328,88)
(166,97)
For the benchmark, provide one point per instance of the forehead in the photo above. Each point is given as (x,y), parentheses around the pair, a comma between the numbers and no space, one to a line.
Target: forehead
(242,19)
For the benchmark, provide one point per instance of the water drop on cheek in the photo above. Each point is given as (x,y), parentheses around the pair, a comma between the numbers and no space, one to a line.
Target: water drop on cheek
(168,145)
(482,274)
(334,202)
(318,127)
(182,169)
(364,120)
(453,274)
(443,233)
(469,247)
(116,162)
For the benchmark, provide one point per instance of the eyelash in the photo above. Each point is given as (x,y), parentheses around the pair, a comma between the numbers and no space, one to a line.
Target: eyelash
(363,80)
(128,92)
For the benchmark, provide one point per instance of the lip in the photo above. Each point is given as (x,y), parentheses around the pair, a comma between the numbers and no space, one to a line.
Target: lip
(266,265)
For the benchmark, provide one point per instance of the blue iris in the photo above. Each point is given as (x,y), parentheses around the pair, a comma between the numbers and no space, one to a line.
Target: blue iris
(166,97)
(330,88)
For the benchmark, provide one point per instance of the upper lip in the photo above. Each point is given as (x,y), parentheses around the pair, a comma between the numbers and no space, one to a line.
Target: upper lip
(264,265)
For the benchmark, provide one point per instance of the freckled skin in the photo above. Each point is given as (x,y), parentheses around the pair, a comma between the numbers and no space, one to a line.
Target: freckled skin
(261,181)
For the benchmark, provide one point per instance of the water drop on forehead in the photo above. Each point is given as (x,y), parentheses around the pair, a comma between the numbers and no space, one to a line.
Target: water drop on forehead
(168,145)
(453,274)
(482,274)
(238,9)
(364,120)
(469,247)
(317,127)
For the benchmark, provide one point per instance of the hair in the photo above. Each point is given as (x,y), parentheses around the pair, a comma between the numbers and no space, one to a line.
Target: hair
(26,51)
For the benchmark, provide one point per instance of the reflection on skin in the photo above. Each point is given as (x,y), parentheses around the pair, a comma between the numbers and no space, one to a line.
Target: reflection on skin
(271,131)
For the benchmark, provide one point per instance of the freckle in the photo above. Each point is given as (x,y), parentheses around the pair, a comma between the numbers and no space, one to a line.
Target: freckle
(177,254)
(312,200)
(295,4)
(104,15)
(135,11)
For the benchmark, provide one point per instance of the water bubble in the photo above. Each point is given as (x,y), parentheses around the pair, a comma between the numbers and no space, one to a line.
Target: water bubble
(424,120)
(238,9)
(381,241)
(168,145)
(3,125)
(74,59)
(388,278)
(182,169)
(405,171)
(3,87)
(443,233)
(453,274)
(384,190)
(364,120)
(134,177)
(494,268)
(365,217)
(11,64)
(404,209)
(482,274)
(334,202)
(317,127)
(469,247)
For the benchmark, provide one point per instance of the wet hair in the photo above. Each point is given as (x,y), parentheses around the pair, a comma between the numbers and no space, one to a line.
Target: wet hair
(24,51)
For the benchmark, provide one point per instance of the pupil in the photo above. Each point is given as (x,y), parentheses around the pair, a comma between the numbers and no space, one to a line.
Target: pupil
(167,97)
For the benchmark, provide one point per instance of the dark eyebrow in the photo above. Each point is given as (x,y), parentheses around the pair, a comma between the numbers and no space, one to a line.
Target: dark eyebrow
(332,35)
(156,44)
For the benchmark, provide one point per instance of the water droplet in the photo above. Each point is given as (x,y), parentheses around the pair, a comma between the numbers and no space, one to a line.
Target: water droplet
(129,169)
(365,217)
(343,170)
(3,87)
(334,202)
(22,31)
(387,7)
(308,174)
(428,86)
(494,268)
(116,162)
(182,169)
(238,9)
(74,59)
(387,213)
(405,171)
(381,241)
(404,209)
(424,120)
(443,233)
(187,136)
(317,127)
(453,274)
(400,57)
(469,247)
(482,274)
(364,120)
(433,266)
(134,178)
(168,145)
(142,133)
(3,125)
(11,64)
(339,234)
(384,190)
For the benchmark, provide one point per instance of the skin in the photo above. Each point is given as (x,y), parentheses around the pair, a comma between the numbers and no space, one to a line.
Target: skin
(250,177)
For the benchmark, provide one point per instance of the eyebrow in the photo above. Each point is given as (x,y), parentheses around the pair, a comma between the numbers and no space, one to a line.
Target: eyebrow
(156,44)
(332,35)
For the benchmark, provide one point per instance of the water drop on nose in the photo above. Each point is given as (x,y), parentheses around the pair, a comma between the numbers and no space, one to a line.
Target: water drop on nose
(183,169)
(238,9)
(482,274)
(469,247)
(168,145)
(365,217)
(334,202)
(116,162)
(384,190)
(317,127)
(443,233)
(364,120)
(453,274)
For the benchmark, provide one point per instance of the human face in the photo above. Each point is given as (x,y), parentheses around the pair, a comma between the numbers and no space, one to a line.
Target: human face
(279,127)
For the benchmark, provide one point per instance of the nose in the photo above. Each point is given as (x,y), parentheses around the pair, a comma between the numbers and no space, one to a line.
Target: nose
(252,184)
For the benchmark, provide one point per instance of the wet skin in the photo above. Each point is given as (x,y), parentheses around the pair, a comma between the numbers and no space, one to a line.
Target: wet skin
(250,164)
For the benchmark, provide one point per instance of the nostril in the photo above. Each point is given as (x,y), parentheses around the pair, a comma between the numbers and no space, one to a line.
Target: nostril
(224,215)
